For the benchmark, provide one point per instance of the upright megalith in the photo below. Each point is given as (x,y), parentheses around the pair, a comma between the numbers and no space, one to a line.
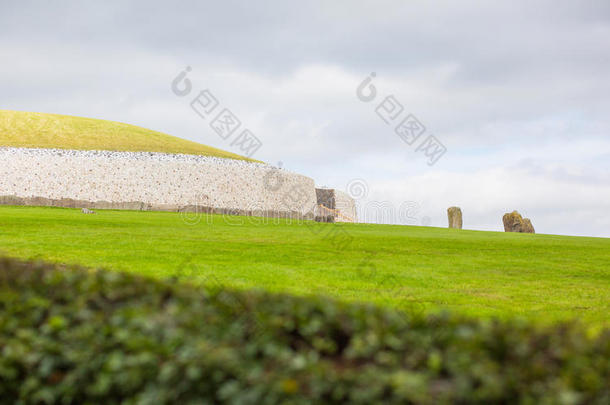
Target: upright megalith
(527,226)
(514,222)
(454,214)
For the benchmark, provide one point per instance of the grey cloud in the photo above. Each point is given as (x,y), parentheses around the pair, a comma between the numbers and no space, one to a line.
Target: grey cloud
(505,85)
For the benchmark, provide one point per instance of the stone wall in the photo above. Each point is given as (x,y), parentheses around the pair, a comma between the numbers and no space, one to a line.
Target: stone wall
(326,197)
(346,207)
(149,181)
(335,204)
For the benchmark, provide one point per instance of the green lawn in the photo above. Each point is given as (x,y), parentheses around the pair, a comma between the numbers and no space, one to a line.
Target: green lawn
(541,277)
(40,130)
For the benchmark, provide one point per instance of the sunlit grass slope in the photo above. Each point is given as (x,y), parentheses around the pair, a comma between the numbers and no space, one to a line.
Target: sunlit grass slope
(40,130)
(541,277)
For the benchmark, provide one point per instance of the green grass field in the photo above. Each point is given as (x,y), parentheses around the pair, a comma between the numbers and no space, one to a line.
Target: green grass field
(541,277)
(40,130)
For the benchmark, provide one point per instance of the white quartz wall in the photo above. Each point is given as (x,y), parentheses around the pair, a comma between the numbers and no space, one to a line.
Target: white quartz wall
(152,178)
(346,207)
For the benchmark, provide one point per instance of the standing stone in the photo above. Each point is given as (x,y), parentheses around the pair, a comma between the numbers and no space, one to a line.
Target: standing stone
(527,226)
(454,214)
(514,222)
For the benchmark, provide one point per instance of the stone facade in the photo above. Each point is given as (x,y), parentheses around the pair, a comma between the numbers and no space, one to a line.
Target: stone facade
(335,206)
(346,207)
(150,181)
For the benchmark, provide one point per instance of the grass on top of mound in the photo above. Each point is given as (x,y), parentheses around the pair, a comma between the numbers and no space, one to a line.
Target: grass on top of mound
(40,130)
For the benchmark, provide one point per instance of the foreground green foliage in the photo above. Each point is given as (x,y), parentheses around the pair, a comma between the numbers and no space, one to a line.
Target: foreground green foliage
(21,129)
(540,277)
(77,336)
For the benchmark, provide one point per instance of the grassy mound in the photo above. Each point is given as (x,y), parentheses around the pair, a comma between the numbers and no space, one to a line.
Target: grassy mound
(545,278)
(77,336)
(38,130)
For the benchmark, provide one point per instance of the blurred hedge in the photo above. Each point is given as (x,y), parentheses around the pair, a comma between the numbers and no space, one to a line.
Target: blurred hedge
(76,336)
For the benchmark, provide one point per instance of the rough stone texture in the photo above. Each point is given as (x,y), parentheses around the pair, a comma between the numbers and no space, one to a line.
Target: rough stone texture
(325,211)
(326,197)
(335,206)
(346,207)
(514,222)
(140,206)
(454,214)
(151,181)
(527,226)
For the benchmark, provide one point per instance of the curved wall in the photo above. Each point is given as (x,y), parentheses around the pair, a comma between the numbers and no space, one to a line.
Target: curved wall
(154,180)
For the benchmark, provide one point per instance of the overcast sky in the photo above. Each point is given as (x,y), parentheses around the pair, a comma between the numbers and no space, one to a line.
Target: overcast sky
(518,92)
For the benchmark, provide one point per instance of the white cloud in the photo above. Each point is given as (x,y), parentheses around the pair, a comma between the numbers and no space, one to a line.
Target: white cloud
(518,93)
